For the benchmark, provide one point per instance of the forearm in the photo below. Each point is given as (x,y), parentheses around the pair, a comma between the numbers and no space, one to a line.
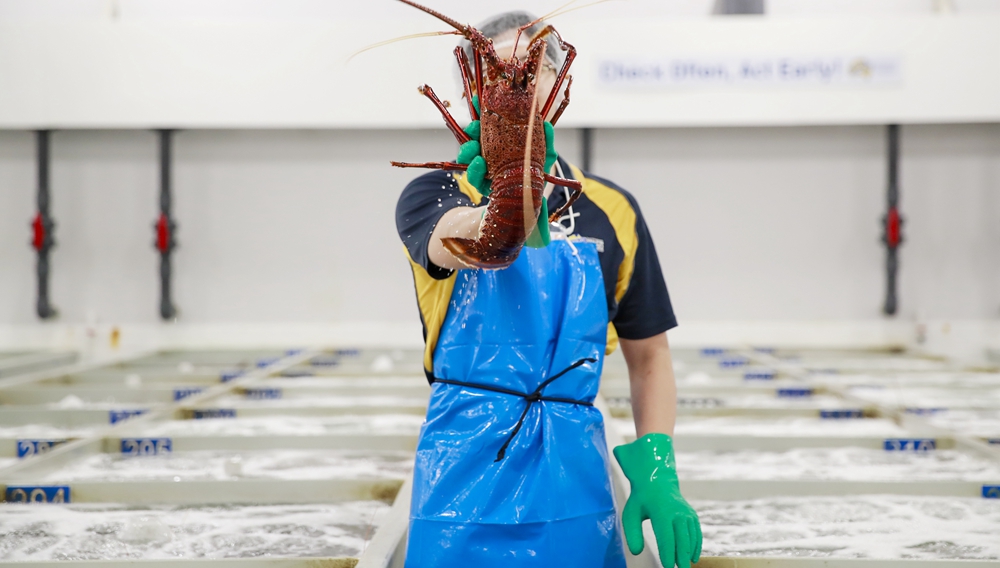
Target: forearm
(652,385)
(461,222)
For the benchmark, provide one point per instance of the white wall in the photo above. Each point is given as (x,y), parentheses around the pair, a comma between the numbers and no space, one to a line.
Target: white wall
(297,226)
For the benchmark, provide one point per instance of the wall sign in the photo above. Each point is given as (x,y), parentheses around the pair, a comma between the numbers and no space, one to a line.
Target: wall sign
(750,71)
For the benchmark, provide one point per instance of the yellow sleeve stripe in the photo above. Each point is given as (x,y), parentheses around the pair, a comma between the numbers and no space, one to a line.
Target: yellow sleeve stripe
(468,189)
(622,217)
(432,299)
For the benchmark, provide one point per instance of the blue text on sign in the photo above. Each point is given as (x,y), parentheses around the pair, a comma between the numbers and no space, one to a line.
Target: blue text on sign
(28,448)
(909,444)
(37,494)
(146,446)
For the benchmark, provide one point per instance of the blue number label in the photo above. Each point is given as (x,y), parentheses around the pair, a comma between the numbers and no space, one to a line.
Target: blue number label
(267,361)
(28,448)
(994,441)
(263,393)
(226,376)
(712,351)
(910,444)
(146,446)
(705,402)
(795,392)
(991,491)
(116,416)
(324,362)
(184,392)
(214,413)
(841,414)
(37,494)
(924,411)
(730,362)
(758,375)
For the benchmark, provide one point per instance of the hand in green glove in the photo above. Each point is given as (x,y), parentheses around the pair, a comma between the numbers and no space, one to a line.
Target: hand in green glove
(471,153)
(650,467)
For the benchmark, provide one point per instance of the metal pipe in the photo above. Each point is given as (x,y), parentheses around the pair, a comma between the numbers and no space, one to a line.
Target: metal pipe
(165,227)
(892,222)
(586,148)
(43,228)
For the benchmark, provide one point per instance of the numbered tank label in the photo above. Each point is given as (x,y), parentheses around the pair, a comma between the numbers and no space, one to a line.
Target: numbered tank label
(37,494)
(297,373)
(712,351)
(182,393)
(759,375)
(994,441)
(226,376)
(910,444)
(28,448)
(116,416)
(324,362)
(991,491)
(267,361)
(795,392)
(205,413)
(841,414)
(732,362)
(765,350)
(292,352)
(263,393)
(924,411)
(350,352)
(699,402)
(146,446)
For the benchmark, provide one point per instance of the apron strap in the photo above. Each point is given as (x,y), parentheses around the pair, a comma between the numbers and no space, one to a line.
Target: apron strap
(530,398)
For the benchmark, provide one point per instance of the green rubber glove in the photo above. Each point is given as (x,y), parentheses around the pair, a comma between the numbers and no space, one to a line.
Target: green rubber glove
(650,467)
(471,153)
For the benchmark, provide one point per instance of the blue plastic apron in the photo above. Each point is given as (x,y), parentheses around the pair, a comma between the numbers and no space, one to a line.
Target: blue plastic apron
(504,477)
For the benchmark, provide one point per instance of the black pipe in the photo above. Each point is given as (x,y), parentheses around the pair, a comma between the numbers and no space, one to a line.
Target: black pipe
(586,147)
(43,228)
(165,227)
(892,222)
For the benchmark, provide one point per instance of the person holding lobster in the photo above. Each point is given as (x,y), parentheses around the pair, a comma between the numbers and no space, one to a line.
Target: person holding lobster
(518,314)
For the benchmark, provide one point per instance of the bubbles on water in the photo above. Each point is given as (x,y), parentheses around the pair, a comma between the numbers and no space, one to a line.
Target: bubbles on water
(70,401)
(233,466)
(145,530)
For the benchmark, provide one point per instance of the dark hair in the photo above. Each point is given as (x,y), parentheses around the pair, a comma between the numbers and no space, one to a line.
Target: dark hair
(508,21)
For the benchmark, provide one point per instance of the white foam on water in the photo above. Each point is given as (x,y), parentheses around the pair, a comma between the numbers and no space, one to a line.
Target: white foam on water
(907,380)
(847,463)
(43,431)
(900,364)
(230,465)
(872,526)
(402,424)
(105,532)
(983,423)
(929,397)
(310,401)
(341,382)
(738,426)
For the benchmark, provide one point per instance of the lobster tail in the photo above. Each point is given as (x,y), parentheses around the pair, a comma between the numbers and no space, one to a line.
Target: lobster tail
(472,253)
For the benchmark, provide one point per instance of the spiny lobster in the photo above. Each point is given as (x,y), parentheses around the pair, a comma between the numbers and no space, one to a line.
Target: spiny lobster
(512,138)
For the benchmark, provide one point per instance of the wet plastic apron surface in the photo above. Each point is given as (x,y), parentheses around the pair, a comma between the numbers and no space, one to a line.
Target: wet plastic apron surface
(512,466)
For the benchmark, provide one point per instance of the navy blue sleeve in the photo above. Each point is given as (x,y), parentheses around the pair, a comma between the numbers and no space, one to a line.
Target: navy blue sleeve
(420,207)
(645,309)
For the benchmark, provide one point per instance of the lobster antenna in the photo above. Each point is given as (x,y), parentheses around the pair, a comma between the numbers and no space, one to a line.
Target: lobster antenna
(529,204)
(553,14)
(438,15)
(394,40)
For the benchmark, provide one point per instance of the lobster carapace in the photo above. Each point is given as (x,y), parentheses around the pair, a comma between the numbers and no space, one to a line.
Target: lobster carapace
(512,138)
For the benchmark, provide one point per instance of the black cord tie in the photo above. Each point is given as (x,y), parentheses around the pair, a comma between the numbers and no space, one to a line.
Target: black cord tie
(530,398)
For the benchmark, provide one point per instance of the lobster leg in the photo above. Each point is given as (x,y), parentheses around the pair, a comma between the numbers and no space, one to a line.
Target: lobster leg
(460,134)
(576,189)
(563,104)
(447,166)
(463,66)
(561,76)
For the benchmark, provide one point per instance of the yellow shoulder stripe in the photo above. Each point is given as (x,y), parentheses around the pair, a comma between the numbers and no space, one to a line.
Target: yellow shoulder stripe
(622,218)
(468,189)
(432,299)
